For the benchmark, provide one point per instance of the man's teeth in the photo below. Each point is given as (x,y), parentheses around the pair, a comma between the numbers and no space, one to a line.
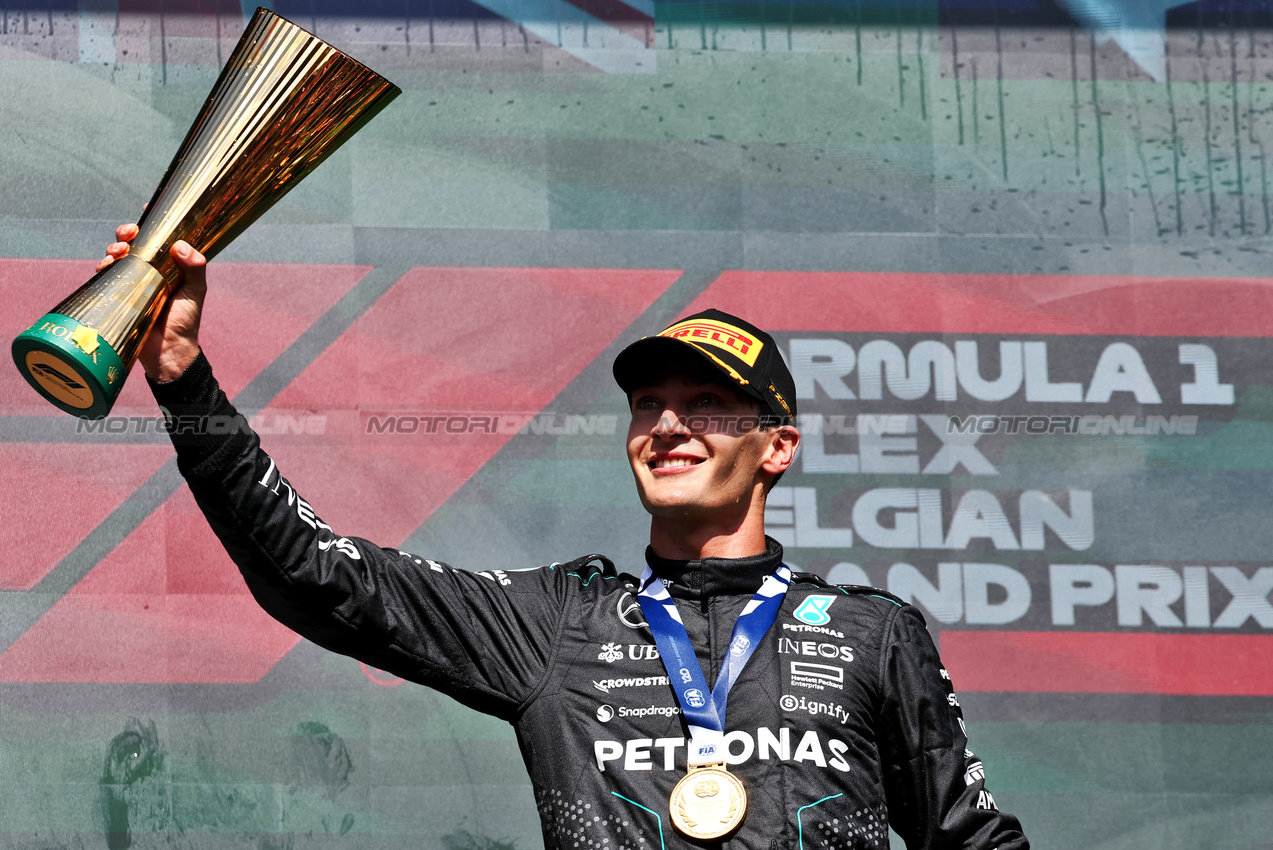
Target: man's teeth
(671,462)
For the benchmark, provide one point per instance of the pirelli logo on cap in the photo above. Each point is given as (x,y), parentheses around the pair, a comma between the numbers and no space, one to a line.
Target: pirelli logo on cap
(728,338)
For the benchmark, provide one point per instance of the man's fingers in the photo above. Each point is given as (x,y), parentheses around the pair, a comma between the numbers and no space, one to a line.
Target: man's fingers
(186,256)
(191,261)
(125,233)
(192,264)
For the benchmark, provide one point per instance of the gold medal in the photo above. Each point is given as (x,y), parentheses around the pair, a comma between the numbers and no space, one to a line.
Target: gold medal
(708,803)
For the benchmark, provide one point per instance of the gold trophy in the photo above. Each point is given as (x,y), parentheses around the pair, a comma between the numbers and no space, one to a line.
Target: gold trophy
(283,103)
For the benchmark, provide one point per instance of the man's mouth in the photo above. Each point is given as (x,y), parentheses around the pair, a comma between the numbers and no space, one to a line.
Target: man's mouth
(675,462)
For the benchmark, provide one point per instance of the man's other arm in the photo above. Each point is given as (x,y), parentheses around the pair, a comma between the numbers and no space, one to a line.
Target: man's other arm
(936,787)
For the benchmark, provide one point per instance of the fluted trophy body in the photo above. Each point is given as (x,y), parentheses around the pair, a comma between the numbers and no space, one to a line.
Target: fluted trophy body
(284,102)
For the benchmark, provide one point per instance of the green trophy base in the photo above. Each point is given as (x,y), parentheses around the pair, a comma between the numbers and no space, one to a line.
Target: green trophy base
(70,365)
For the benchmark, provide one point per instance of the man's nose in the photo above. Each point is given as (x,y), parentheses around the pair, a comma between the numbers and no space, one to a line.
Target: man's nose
(670,424)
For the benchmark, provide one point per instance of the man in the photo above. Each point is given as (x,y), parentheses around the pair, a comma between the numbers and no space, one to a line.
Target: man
(718,698)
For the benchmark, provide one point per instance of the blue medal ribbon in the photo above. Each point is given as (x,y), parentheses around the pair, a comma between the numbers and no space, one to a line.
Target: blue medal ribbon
(703,707)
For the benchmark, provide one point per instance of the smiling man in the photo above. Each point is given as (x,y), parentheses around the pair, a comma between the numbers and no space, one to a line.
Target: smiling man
(719,699)
(702,462)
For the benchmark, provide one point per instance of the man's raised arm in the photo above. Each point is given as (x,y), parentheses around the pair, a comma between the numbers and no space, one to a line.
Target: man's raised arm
(487,643)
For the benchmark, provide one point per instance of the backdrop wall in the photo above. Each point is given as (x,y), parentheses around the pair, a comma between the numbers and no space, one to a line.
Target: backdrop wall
(1017,255)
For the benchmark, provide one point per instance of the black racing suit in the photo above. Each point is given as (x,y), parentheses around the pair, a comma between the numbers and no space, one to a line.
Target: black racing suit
(842,724)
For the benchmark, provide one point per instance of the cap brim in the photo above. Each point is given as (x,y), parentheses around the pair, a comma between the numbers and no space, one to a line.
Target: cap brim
(655,355)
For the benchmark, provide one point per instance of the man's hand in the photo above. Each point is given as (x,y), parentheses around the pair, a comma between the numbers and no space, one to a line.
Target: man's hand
(174,340)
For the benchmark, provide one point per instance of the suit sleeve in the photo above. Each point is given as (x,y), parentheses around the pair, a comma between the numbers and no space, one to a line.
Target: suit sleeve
(485,638)
(936,787)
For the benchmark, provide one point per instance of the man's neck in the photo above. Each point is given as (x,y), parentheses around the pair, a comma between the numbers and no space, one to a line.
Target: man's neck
(692,541)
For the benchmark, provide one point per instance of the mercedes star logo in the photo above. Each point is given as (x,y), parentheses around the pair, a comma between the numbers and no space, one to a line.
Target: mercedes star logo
(629,610)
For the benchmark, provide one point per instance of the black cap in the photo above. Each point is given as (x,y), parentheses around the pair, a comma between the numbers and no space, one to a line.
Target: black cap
(739,350)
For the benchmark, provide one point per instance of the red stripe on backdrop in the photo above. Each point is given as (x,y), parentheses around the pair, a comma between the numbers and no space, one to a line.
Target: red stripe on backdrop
(1016,304)
(1109,662)
(53,494)
(612,11)
(627,20)
(166,605)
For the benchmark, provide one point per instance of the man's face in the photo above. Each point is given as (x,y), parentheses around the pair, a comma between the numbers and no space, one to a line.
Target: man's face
(694,447)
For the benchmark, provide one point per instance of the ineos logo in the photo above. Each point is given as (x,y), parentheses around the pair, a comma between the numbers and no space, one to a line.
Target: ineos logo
(629,611)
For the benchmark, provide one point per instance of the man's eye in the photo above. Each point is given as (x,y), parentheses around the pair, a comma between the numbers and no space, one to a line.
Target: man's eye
(646,403)
(707,401)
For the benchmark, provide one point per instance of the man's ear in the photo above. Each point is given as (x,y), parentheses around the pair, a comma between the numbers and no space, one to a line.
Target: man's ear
(781,449)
